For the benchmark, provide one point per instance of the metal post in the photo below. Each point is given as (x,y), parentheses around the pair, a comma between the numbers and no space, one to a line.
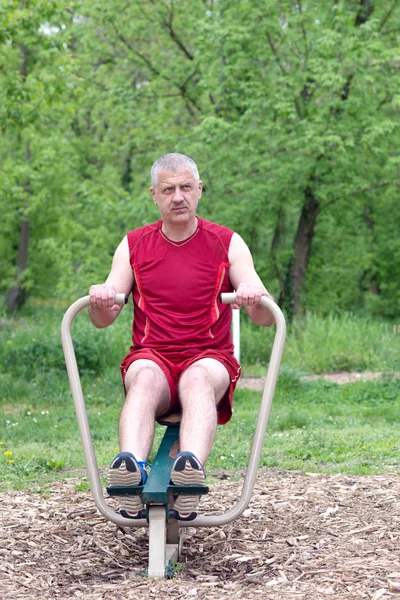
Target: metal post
(236,333)
(157,541)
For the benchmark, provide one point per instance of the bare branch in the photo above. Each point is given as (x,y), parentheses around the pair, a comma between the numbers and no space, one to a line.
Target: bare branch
(191,112)
(90,80)
(278,61)
(364,190)
(189,77)
(388,31)
(149,64)
(189,102)
(187,96)
(303,29)
(298,107)
(168,25)
(387,98)
(388,15)
(275,53)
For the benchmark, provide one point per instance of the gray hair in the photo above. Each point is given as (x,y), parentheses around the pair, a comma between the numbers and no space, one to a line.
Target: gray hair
(173,162)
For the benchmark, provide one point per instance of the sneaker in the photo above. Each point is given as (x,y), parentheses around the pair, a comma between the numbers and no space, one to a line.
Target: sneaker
(126,470)
(187,470)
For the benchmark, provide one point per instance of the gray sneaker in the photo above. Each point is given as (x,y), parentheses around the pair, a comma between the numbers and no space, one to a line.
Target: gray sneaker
(126,470)
(187,470)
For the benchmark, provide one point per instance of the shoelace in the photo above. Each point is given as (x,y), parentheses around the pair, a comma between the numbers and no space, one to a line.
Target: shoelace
(142,464)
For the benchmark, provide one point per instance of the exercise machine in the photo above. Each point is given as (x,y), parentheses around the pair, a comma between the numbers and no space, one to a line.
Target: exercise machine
(165,531)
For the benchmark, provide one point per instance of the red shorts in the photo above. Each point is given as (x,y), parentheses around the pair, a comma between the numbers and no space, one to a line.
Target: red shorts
(174,369)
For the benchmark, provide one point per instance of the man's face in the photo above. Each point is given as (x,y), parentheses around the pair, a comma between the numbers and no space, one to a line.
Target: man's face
(177,194)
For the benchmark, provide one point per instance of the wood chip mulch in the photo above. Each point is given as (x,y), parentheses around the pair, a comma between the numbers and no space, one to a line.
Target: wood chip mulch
(303,537)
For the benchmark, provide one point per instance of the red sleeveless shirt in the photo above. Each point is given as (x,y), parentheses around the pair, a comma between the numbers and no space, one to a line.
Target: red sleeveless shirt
(177,310)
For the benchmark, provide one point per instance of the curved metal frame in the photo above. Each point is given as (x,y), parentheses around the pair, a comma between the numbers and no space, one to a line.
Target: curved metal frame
(259,434)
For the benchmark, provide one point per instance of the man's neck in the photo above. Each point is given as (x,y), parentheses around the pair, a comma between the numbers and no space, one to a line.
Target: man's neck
(179,232)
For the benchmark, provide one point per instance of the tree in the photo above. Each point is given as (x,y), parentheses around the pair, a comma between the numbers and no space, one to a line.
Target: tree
(307,96)
(32,59)
(282,105)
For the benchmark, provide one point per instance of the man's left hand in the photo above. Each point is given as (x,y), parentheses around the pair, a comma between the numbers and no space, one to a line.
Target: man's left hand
(249,294)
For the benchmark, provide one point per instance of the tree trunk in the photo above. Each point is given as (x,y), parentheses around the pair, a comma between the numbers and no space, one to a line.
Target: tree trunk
(297,267)
(302,249)
(16,294)
(364,12)
(369,280)
(276,241)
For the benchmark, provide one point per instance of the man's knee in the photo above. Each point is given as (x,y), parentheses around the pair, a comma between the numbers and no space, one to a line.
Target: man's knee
(207,375)
(196,373)
(146,374)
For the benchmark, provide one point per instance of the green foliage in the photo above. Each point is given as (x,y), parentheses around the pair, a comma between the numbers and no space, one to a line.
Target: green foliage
(344,342)
(276,102)
(31,345)
(24,358)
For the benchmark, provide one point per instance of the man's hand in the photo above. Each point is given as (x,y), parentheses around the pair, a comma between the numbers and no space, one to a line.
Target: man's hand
(249,295)
(103,296)
(102,310)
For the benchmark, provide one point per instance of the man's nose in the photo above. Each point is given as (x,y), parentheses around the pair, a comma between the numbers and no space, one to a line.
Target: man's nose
(177,195)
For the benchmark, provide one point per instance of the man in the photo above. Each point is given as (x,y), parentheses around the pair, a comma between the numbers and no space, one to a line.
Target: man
(182,354)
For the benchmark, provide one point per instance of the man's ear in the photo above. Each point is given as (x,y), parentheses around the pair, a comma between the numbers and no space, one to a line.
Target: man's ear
(153,193)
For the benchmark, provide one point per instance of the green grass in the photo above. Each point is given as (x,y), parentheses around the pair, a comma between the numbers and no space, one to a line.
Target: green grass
(326,344)
(314,427)
(320,427)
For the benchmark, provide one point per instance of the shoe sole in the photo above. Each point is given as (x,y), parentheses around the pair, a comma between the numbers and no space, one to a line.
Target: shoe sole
(174,514)
(129,506)
(187,471)
(122,476)
(186,506)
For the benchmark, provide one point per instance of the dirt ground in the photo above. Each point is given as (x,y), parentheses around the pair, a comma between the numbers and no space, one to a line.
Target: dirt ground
(302,537)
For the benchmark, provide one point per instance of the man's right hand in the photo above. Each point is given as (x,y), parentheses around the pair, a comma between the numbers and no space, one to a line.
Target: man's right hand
(103,296)
(102,310)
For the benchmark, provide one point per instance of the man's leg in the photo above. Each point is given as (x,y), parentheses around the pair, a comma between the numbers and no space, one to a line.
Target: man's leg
(201,388)
(147,396)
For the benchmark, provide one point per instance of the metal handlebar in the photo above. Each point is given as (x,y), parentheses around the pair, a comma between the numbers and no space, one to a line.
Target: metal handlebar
(259,434)
(81,414)
(262,420)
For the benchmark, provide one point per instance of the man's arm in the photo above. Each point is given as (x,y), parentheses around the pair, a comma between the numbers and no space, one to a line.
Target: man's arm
(103,311)
(247,283)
